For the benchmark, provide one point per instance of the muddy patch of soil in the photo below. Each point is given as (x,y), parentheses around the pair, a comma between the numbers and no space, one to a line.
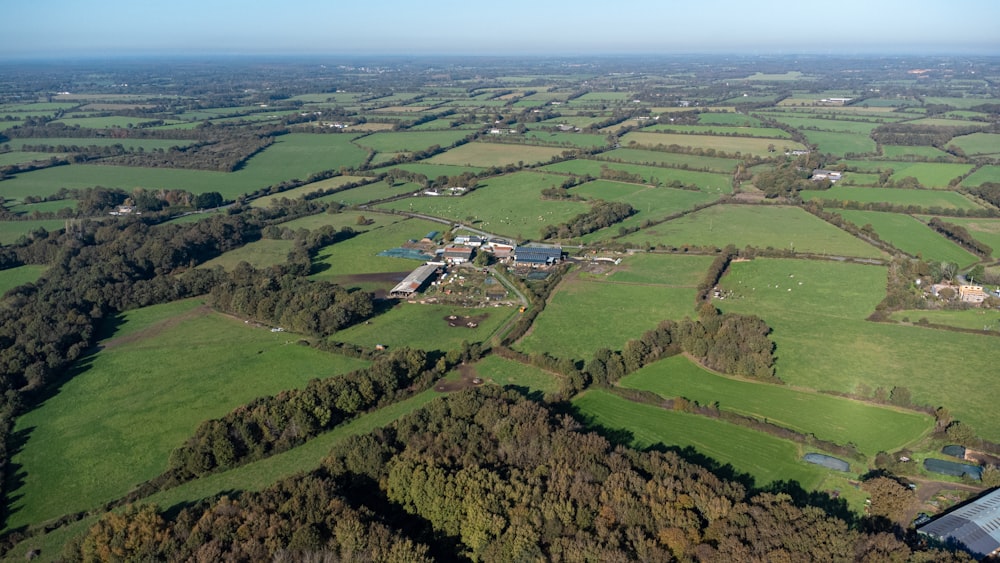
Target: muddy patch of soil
(456,321)
(467,378)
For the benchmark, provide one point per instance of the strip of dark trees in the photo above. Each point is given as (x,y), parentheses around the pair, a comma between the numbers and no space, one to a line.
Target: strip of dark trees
(960,235)
(601,215)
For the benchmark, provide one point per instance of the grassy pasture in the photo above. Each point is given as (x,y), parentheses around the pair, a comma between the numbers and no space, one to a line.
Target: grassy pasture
(921,198)
(823,341)
(961,103)
(985,230)
(863,128)
(911,236)
(766,132)
(896,151)
(840,143)
(164,370)
(743,145)
(425,326)
(494,154)
(36,108)
(581,121)
(944,122)
(147,144)
(259,254)
(972,319)
(108,122)
(859,179)
(344,219)
(705,181)
(410,141)
(839,420)
(749,99)
(931,174)
(978,143)
(296,193)
(583,140)
(650,203)
(733,119)
(508,373)
(42,206)
(578,316)
(10,231)
(658,158)
(358,255)
(658,269)
(758,226)
(13,277)
(19,157)
(432,171)
(510,205)
(764,457)
(985,174)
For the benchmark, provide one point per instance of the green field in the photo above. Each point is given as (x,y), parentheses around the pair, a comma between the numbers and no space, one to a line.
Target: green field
(659,269)
(679,160)
(764,457)
(806,124)
(730,145)
(42,207)
(432,171)
(259,254)
(734,119)
(167,368)
(347,218)
(920,198)
(578,317)
(295,193)
(409,141)
(495,154)
(763,132)
(650,203)
(872,429)
(983,175)
(10,231)
(509,205)
(372,192)
(911,236)
(13,277)
(508,373)
(113,121)
(823,341)
(840,143)
(984,230)
(978,143)
(757,226)
(424,326)
(971,319)
(705,181)
(896,151)
(18,157)
(930,174)
(583,140)
(146,144)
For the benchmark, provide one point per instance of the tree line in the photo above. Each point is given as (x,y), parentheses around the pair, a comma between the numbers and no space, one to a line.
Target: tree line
(602,214)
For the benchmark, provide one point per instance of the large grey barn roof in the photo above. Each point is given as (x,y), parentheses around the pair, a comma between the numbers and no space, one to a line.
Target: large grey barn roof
(977,525)
(540,254)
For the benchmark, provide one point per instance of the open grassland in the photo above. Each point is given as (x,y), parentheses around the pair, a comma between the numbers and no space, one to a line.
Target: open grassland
(763,132)
(295,193)
(425,326)
(764,457)
(859,179)
(358,255)
(19,157)
(579,317)
(13,277)
(650,203)
(409,141)
(911,236)
(929,174)
(259,254)
(946,122)
(871,428)
(705,181)
(372,192)
(985,174)
(10,231)
(108,122)
(898,151)
(920,198)
(984,230)
(114,424)
(862,128)
(823,341)
(733,119)
(509,205)
(583,140)
(757,226)
(495,154)
(146,144)
(679,160)
(508,373)
(581,121)
(987,320)
(291,156)
(730,145)
(840,143)
(36,108)
(42,206)
(658,269)
(347,218)
(978,143)
(432,171)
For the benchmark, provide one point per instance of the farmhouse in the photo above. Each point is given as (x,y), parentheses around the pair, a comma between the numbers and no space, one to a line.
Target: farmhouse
(975,524)
(413,282)
(820,174)
(469,240)
(971,293)
(535,256)
(457,254)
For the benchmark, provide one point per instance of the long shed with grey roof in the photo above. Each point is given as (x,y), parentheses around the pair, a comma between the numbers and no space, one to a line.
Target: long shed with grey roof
(975,524)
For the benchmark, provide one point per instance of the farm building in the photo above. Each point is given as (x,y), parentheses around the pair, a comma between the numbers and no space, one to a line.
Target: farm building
(469,240)
(414,281)
(821,174)
(537,255)
(456,254)
(971,293)
(952,468)
(975,524)
(431,237)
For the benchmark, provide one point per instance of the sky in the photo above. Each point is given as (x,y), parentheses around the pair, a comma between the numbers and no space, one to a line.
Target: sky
(74,28)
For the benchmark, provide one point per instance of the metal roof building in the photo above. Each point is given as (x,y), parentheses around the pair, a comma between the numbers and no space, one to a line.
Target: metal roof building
(414,281)
(976,524)
(537,255)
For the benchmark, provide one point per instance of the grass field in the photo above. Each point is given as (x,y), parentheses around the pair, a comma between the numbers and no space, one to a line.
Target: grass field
(840,143)
(13,277)
(731,145)
(764,457)
(508,373)
(758,226)
(116,121)
(659,269)
(911,236)
(18,157)
(259,254)
(409,141)
(295,193)
(43,206)
(432,171)
(984,230)
(348,218)
(985,174)
(722,130)
(930,174)
(509,205)
(978,143)
(896,151)
(972,319)
(921,198)
(146,144)
(495,154)
(705,181)
(638,156)
(870,428)
(10,231)
(577,319)
(861,128)
(823,341)
(651,204)
(733,119)
(167,368)
(424,326)
(372,192)
(584,140)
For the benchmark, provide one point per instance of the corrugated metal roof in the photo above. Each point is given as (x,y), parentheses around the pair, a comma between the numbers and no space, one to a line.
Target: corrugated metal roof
(537,254)
(976,524)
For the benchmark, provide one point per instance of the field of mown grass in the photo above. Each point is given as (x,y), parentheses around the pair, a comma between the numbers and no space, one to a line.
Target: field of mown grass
(372,192)
(585,314)
(432,171)
(983,230)
(871,428)
(978,143)
(650,203)
(167,368)
(824,342)
(409,141)
(840,143)
(861,128)
(693,162)
(723,130)
(897,151)
(13,277)
(705,181)
(743,145)
(295,193)
(911,236)
(921,198)
(358,255)
(584,140)
(987,320)
(259,254)
(757,226)
(508,373)
(10,231)
(348,218)
(424,326)
(985,174)
(495,154)
(734,119)
(929,174)
(509,205)
(661,269)
(764,457)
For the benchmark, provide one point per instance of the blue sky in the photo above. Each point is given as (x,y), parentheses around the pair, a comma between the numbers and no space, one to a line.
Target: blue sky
(471,27)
